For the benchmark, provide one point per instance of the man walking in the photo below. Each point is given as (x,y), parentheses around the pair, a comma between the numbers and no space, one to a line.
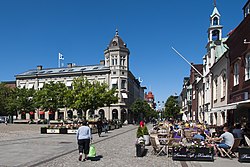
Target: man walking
(83,139)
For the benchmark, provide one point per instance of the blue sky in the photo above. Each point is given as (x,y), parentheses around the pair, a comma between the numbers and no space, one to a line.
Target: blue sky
(32,32)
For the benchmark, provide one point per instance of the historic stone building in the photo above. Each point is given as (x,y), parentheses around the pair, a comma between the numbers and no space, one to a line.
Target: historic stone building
(114,70)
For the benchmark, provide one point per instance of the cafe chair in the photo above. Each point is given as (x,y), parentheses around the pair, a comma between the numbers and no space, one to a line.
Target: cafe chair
(157,149)
(230,153)
(247,140)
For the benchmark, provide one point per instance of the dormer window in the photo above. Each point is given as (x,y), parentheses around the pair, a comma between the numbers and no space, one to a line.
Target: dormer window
(215,21)
(247,9)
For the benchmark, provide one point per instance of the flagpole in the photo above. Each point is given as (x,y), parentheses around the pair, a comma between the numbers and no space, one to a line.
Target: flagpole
(59,60)
(187,62)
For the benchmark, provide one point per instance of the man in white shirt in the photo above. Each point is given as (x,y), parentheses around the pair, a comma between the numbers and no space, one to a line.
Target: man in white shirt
(83,139)
(227,140)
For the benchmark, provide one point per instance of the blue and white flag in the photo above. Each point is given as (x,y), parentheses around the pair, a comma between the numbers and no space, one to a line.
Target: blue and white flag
(60,56)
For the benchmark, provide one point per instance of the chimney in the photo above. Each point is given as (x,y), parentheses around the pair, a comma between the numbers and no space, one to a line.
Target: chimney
(102,62)
(70,65)
(39,67)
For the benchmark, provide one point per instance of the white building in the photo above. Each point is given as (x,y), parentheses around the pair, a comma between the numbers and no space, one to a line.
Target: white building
(114,70)
(215,50)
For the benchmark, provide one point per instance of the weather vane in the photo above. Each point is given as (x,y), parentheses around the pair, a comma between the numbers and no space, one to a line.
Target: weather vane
(214,3)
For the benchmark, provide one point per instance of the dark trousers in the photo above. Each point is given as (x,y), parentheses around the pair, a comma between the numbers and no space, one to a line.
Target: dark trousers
(83,144)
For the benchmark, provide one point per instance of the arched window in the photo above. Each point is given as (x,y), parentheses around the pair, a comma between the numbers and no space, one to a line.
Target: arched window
(70,114)
(114,114)
(101,113)
(215,35)
(215,21)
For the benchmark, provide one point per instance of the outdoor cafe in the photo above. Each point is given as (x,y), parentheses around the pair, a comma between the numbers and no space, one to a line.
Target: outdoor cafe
(188,142)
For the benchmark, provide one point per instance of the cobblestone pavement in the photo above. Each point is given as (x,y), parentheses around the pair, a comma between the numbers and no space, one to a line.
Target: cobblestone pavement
(23,145)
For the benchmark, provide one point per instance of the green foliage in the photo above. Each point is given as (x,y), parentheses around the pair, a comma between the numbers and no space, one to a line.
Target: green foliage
(171,108)
(51,96)
(5,92)
(87,95)
(139,132)
(141,109)
(145,130)
(142,131)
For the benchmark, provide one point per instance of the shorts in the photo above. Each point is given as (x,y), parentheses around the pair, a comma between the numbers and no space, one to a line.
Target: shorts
(223,145)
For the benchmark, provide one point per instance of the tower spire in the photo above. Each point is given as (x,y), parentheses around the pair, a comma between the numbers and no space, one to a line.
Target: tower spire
(116,32)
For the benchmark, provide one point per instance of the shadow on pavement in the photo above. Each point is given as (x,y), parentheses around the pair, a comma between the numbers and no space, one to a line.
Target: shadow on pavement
(96,158)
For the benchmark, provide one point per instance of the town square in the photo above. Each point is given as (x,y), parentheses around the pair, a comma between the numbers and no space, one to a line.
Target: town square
(106,83)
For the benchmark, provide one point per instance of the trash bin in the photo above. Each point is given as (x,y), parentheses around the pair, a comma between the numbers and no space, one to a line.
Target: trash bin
(139,149)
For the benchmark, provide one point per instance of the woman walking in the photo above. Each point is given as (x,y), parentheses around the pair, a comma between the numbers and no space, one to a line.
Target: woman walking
(83,139)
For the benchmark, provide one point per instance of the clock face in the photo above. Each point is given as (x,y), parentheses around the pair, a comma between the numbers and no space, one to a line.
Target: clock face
(114,43)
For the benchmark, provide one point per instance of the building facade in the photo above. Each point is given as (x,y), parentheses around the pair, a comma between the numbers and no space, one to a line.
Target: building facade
(113,70)
(239,70)
(223,91)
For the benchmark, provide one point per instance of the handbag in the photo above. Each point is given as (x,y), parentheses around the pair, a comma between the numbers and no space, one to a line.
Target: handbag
(92,151)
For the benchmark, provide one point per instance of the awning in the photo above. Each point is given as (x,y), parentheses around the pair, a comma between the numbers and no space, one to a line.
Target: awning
(31,85)
(114,81)
(40,85)
(225,107)
(41,112)
(31,113)
(124,95)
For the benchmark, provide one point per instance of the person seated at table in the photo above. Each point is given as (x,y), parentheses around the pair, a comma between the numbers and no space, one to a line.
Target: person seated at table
(177,133)
(198,135)
(227,141)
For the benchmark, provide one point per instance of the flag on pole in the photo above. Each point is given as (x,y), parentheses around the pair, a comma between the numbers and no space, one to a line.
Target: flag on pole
(60,56)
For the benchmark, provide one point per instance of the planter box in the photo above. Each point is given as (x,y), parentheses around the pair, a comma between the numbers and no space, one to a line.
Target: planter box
(43,130)
(63,131)
(193,154)
(53,131)
(71,131)
(244,154)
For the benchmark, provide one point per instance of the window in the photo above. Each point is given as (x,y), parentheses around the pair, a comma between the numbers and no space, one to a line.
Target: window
(236,74)
(215,88)
(247,68)
(122,61)
(215,21)
(247,9)
(114,60)
(215,35)
(193,94)
(123,84)
(223,85)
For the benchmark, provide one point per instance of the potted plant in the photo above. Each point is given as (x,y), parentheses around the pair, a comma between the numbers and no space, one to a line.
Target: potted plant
(139,132)
(146,135)
(142,131)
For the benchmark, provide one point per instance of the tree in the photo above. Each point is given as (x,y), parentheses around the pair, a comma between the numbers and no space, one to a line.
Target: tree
(23,99)
(171,108)
(87,95)
(142,109)
(52,96)
(5,92)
